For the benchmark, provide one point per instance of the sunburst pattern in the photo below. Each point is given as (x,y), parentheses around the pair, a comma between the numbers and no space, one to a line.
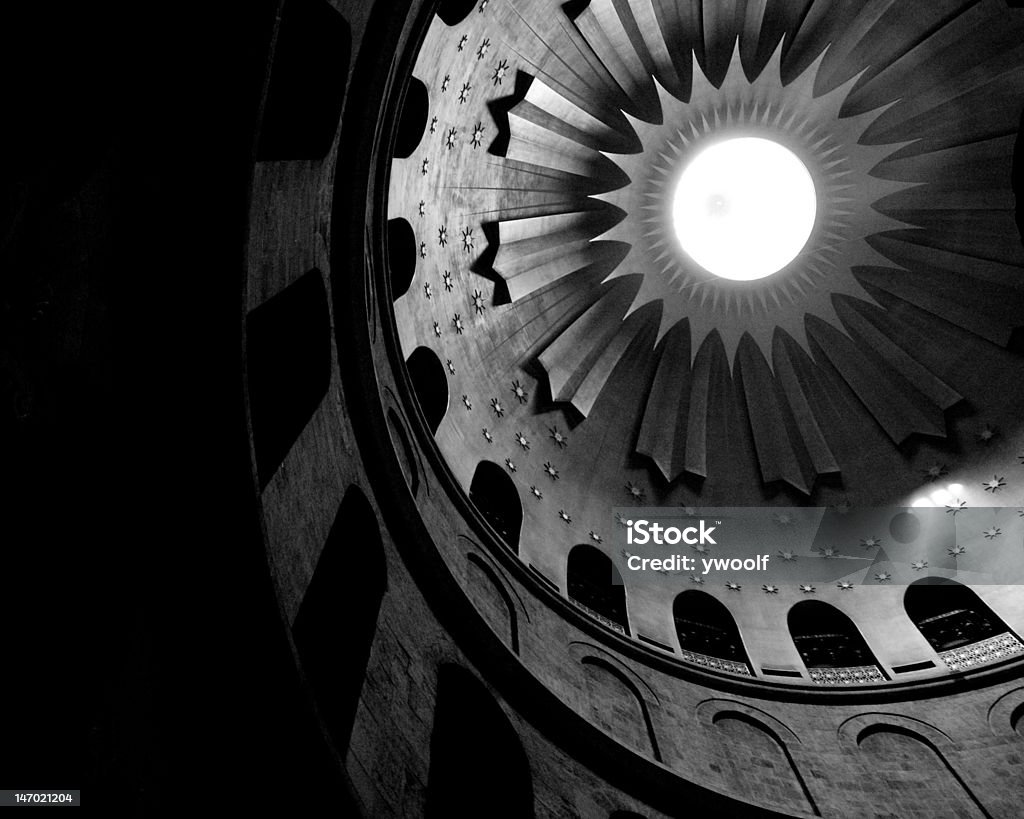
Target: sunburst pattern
(892,114)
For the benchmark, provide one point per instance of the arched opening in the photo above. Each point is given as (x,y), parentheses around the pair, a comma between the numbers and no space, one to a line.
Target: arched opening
(894,751)
(477,763)
(753,746)
(401,256)
(453,12)
(430,385)
(1017,719)
(413,123)
(337,620)
(949,614)
(827,638)
(705,626)
(595,584)
(288,364)
(307,82)
(619,708)
(495,495)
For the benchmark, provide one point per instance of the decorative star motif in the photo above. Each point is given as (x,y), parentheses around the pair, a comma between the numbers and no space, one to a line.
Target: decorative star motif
(696,579)
(565,516)
(783,518)
(446,280)
(550,470)
(992,532)
(787,555)
(423,250)
(499,410)
(462,42)
(844,585)
(731,586)
(485,46)
(479,303)
(428,291)
(500,70)
(870,542)
(883,577)
(487,435)
(445,83)
(424,167)
(807,589)
(467,239)
(477,139)
(464,93)
(469,405)
(995,484)
(437,329)
(957,550)
(457,324)
(703,549)
(433,124)
(917,565)
(621,519)
(561,440)
(770,588)
(935,471)
(828,551)
(521,440)
(519,392)
(451,366)
(511,466)
(987,433)
(956,506)
(442,235)
(635,491)
(422,208)
(594,536)
(536,492)
(450,138)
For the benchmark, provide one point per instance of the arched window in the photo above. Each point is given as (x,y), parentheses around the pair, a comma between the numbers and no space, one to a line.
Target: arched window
(288,362)
(401,256)
(705,626)
(413,123)
(477,764)
(827,638)
(595,584)
(495,495)
(950,615)
(337,620)
(430,383)
(453,12)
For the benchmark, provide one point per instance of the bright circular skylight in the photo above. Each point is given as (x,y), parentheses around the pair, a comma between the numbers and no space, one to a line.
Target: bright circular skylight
(744,208)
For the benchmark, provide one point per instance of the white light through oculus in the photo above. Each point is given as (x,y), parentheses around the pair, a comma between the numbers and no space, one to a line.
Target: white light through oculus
(744,208)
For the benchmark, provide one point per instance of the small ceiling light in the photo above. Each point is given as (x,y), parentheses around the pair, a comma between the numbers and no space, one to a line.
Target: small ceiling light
(744,208)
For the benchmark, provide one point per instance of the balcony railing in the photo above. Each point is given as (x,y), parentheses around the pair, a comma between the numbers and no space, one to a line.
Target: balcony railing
(600,617)
(986,651)
(853,675)
(716,663)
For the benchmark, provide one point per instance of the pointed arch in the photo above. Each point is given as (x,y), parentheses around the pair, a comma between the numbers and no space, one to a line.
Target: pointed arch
(494,493)
(595,584)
